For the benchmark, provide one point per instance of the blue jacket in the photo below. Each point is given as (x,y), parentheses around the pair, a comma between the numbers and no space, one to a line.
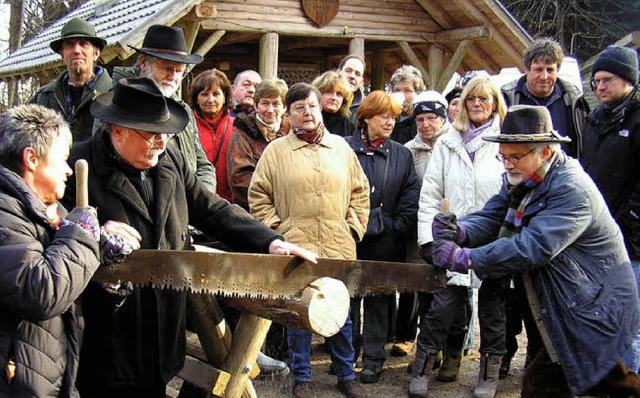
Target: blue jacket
(400,198)
(574,252)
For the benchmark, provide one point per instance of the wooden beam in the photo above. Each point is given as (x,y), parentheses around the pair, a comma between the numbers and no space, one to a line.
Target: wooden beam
(210,42)
(268,57)
(455,61)
(478,17)
(473,33)
(204,376)
(190,26)
(414,60)
(356,46)
(439,15)
(206,10)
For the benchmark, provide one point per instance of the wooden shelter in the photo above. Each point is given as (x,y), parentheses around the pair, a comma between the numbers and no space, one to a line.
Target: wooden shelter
(298,39)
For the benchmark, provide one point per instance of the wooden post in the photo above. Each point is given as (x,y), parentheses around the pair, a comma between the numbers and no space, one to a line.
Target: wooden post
(414,60)
(435,66)
(268,64)
(446,74)
(356,47)
(321,308)
(377,71)
(248,338)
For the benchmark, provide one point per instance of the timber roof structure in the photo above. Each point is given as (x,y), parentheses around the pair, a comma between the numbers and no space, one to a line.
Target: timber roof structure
(439,37)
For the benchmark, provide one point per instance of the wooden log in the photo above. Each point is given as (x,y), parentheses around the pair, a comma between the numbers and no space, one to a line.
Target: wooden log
(321,307)
(378,78)
(455,61)
(356,47)
(414,60)
(435,58)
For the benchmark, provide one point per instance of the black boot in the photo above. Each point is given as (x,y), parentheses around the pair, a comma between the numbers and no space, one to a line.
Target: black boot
(505,366)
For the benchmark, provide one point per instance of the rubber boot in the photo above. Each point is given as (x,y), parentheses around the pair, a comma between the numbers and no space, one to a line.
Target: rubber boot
(488,376)
(419,384)
(450,365)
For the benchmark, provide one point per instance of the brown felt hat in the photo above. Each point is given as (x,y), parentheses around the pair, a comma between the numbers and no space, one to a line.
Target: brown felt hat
(78,28)
(527,124)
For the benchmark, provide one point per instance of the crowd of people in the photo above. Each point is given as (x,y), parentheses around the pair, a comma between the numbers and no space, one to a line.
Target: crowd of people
(521,193)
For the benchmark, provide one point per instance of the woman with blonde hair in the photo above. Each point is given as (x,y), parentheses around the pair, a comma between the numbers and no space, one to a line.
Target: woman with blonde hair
(464,170)
(336,98)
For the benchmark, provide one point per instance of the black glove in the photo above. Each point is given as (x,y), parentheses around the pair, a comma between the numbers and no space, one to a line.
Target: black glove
(426,252)
(118,292)
(445,226)
(113,249)
(85,217)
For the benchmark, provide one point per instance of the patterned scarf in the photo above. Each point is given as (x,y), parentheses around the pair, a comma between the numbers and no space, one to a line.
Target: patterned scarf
(310,136)
(371,145)
(519,197)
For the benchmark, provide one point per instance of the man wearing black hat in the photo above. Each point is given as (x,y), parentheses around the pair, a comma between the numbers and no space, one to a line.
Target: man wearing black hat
(541,85)
(612,148)
(133,348)
(550,224)
(163,58)
(73,91)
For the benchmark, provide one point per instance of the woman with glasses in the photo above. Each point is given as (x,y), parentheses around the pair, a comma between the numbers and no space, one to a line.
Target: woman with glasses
(210,98)
(464,170)
(394,192)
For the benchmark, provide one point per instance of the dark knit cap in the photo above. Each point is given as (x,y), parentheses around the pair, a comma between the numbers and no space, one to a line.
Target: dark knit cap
(621,61)
(455,92)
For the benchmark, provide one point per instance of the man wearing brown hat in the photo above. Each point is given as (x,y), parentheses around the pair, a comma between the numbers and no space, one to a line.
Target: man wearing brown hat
(550,224)
(133,348)
(612,149)
(73,91)
(163,58)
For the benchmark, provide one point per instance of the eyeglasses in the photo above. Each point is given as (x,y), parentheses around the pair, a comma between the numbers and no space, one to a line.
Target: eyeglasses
(595,83)
(385,117)
(154,137)
(303,109)
(472,100)
(513,159)
(426,119)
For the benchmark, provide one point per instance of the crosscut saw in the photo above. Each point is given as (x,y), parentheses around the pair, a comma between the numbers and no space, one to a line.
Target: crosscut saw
(266,275)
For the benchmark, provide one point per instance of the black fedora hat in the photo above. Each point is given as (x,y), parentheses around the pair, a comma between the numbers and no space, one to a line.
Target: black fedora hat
(139,104)
(77,28)
(168,43)
(527,124)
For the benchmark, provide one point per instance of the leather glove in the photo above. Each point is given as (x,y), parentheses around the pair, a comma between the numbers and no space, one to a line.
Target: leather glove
(445,226)
(113,249)
(449,255)
(85,217)
(426,252)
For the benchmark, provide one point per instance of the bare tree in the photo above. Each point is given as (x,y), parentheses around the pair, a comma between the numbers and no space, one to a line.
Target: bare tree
(582,27)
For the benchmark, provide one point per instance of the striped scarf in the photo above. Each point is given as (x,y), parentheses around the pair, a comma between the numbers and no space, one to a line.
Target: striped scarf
(519,197)
(310,136)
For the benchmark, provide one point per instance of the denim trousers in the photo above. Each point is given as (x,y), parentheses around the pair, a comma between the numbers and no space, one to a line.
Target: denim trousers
(340,348)
(632,357)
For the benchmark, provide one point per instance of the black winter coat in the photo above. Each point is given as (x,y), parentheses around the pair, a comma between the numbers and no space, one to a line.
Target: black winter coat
(143,343)
(42,273)
(399,199)
(611,157)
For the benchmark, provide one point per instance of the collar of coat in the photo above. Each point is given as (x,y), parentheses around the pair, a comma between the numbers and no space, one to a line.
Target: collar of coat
(328,140)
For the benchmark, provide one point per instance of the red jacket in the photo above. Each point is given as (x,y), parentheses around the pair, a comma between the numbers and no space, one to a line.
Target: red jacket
(215,142)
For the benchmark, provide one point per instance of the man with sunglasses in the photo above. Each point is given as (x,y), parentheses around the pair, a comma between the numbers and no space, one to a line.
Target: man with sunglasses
(550,225)
(612,148)
(541,85)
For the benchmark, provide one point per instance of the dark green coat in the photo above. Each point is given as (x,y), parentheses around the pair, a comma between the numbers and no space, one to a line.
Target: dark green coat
(143,343)
(80,119)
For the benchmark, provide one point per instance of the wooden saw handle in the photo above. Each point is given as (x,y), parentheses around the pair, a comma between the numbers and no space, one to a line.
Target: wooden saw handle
(82,191)
(445,206)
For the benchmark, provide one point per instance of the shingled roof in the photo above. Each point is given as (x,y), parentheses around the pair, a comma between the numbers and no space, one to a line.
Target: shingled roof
(120,22)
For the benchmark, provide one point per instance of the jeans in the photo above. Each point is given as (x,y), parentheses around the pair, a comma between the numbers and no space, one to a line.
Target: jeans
(632,357)
(340,349)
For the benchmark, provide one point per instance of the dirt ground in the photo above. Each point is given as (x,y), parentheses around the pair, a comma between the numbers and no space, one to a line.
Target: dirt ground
(395,378)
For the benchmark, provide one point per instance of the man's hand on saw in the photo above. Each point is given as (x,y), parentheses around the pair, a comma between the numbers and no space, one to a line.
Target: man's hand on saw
(285,248)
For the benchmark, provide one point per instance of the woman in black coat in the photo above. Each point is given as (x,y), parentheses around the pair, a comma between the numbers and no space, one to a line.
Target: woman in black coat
(335,99)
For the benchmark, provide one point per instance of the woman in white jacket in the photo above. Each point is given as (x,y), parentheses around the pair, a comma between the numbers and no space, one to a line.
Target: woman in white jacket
(463,169)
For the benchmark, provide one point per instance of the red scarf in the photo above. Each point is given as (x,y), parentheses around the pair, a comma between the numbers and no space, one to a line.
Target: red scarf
(313,136)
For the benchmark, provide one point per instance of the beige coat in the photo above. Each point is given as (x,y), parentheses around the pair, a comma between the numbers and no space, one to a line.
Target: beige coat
(317,193)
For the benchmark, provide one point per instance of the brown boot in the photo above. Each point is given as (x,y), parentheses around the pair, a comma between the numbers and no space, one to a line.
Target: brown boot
(623,382)
(303,389)
(351,389)
(488,376)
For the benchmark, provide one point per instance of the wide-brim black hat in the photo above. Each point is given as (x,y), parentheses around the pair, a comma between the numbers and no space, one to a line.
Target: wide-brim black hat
(139,104)
(527,124)
(168,43)
(78,28)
